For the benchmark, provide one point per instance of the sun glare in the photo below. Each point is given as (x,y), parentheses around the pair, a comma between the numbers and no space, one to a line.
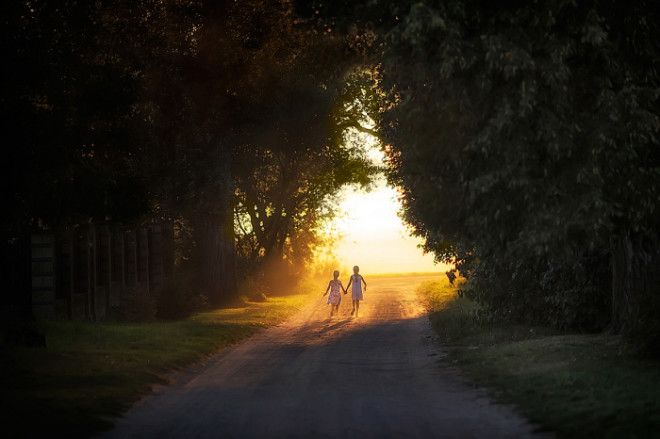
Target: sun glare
(372,235)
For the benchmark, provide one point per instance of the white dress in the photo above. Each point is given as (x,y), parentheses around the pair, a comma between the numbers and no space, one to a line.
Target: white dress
(356,290)
(335,292)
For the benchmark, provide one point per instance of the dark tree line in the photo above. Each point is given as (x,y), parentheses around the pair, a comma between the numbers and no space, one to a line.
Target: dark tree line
(216,115)
(524,136)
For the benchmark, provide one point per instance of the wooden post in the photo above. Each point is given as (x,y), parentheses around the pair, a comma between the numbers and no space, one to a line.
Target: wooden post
(168,249)
(135,261)
(95,269)
(122,244)
(109,265)
(156,256)
(43,253)
(91,272)
(73,236)
(147,243)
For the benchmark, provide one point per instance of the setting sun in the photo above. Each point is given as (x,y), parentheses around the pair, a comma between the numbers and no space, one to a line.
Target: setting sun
(373,236)
(370,232)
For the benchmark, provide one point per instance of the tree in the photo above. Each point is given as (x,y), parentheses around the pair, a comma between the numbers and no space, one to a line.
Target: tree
(69,94)
(176,109)
(250,104)
(290,159)
(525,140)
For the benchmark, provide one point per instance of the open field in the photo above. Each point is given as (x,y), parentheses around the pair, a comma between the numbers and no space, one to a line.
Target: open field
(578,385)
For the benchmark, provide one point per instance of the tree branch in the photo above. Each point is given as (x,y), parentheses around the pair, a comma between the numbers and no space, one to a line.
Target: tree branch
(359,127)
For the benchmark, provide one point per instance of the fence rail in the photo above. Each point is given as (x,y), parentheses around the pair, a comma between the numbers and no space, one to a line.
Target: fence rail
(85,271)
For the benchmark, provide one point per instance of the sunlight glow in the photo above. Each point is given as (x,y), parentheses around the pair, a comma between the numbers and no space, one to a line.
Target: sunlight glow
(372,235)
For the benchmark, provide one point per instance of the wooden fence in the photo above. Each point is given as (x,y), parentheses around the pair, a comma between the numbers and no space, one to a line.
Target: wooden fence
(85,271)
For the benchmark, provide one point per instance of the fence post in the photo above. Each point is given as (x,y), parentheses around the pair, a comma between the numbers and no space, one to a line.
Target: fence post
(135,259)
(72,270)
(147,262)
(108,286)
(122,235)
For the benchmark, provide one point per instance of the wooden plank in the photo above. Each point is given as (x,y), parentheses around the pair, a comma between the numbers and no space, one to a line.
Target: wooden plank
(42,244)
(43,268)
(42,274)
(43,252)
(42,238)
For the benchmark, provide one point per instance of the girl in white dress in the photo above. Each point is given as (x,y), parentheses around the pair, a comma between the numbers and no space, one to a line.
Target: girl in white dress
(334,299)
(356,280)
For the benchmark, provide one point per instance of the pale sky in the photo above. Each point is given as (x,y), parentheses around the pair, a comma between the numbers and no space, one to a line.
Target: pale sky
(373,236)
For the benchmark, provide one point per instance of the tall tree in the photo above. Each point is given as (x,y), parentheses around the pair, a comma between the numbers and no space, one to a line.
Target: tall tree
(70,87)
(525,138)
(247,135)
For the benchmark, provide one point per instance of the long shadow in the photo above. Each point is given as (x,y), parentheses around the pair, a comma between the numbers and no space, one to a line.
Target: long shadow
(337,325)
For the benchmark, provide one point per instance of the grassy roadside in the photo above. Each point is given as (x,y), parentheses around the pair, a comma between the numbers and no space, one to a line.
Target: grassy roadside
(576,385)
(90,372)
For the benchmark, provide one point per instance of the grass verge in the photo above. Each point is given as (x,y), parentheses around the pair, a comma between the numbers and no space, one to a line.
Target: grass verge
(577,385)
(92,372)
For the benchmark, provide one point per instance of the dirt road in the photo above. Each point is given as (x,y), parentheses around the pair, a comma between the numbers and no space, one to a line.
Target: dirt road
(379,375)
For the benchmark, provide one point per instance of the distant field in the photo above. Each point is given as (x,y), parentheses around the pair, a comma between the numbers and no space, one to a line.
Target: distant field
(91,372)
(577,385)
(414,274)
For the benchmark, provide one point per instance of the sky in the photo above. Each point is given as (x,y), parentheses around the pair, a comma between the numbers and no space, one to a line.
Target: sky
(373,236)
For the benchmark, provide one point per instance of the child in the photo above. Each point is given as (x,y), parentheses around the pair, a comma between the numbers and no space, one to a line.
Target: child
(356,292)
(334,299)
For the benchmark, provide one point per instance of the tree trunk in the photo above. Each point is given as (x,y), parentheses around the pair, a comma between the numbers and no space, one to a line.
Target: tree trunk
(217,238)
(636,290)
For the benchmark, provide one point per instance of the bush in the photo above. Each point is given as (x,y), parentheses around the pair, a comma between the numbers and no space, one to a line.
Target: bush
(137,305)
(545,290)
(179,298)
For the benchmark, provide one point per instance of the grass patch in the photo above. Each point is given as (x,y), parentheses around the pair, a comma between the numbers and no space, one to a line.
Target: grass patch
(577,385)
(92,372)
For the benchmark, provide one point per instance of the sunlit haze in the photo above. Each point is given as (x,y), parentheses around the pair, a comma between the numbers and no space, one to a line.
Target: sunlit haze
(373,236)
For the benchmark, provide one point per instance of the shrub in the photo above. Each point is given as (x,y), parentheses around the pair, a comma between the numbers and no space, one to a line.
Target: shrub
(178,298)
(137,305)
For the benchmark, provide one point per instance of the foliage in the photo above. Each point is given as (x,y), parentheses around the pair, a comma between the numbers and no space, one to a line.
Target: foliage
(176,109)
(137,305)
(179,298)
(290,168)
(67,106)
(525,138)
